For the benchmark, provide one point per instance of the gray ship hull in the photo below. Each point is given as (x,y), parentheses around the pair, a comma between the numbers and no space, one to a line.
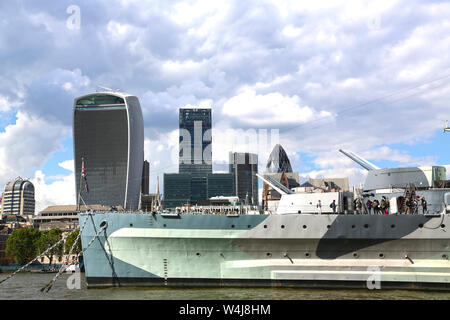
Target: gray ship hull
(299,250)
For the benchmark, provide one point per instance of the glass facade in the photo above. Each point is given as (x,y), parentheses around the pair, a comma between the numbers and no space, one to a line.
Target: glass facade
(108,135)
(278,161)
(195,141)
(177,189)
(220,184)
(183,188)
(244,167)
(18,198)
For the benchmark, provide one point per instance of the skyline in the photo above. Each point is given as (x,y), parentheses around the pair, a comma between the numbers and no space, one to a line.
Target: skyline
(371,78)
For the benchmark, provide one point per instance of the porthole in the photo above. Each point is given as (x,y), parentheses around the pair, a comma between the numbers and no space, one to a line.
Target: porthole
(442,225)
(131,224)
(304,226)
(353,226)
(268,254)
(307,254)
(249,226)
(381,255)
(355,255)
(421,225)
(328,226)
(282,226)
(232,226)
(392,226)
(444,256)
(265,226)
(164,225)
(366,226)
(198,253)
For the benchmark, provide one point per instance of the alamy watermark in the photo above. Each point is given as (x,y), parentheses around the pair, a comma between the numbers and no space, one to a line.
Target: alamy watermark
(74,281)
(73,22)
(195,146)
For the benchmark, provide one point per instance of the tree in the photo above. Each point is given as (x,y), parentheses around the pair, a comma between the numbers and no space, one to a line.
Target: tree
(69,243)
(23,244)
(49,238)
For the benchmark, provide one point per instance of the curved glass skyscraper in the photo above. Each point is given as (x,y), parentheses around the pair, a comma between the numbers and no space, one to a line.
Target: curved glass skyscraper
(108,133)
(278,161)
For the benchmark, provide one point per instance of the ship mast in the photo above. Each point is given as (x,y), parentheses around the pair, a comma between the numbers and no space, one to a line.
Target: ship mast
(446,128)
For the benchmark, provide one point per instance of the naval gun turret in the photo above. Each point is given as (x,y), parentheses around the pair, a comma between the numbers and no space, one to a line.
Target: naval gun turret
(387,178)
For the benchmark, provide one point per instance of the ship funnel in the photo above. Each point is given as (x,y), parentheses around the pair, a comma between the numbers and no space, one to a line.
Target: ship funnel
(360,160)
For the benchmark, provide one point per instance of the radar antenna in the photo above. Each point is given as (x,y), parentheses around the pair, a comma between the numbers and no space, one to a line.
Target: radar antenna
(108,89)
(446,128)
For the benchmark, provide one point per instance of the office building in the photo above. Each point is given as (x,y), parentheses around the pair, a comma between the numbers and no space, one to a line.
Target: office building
(278,161)
(177,189)
(195,183)
(244,167)
(195,141)
(279,168)
(220,184)
(108,133)
(145,184)
(18,198)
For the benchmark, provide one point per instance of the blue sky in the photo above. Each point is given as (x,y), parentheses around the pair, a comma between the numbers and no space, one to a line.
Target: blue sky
(372,77)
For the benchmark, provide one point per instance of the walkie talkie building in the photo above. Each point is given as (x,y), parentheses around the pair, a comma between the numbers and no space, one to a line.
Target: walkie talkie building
(108,133)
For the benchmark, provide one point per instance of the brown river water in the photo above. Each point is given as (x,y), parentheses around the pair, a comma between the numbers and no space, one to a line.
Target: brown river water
(26,286)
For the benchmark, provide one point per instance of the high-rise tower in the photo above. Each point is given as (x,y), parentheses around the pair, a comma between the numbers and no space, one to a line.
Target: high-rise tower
(195,141)
(108,133)
(18,198)
(244,167)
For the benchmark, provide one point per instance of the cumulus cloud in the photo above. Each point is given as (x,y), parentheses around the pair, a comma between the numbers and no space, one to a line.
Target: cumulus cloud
(27,144)
(308,70)
(270,109)
(59,192)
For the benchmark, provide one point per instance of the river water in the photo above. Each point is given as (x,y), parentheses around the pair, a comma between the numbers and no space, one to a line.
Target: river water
(26,286)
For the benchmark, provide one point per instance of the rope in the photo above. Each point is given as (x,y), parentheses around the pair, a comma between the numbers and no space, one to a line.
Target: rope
(49,285)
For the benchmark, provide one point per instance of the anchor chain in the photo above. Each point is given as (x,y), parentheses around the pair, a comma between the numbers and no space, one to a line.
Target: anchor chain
(38,257)
(49,285)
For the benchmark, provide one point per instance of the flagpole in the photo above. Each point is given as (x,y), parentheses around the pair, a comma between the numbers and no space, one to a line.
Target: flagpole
(79,189)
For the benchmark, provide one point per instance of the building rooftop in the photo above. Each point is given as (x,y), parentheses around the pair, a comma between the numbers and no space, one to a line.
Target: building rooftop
(73,208)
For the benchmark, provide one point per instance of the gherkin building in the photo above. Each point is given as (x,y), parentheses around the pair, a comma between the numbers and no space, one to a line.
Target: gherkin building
(278,161)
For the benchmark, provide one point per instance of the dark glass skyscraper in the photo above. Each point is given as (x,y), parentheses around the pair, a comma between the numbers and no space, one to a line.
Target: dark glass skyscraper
(195,181)
(244,167)
(195,142)
(278,161)
(108,132)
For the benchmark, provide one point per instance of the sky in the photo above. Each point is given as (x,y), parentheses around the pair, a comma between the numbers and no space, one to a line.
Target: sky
(372,77)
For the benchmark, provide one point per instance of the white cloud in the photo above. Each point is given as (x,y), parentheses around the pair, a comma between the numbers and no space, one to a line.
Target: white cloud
(27,144)
(67,164)
(270,109)
(59,192)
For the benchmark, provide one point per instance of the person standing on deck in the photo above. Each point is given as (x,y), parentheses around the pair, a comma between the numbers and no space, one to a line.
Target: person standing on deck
(319,207)
(333,206)
(369,206)
(424,205)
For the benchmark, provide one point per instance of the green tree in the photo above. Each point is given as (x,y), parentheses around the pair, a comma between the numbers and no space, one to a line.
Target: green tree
(23,244)
(49,238)
(69,243)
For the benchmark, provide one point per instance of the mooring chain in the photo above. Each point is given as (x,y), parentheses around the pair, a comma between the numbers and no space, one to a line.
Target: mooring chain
(49,285)
(39,256)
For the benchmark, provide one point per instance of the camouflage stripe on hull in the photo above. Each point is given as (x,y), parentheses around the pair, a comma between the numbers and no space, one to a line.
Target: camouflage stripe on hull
(298,249)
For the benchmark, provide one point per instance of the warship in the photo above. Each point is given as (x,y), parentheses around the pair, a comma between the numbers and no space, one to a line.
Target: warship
(353,246)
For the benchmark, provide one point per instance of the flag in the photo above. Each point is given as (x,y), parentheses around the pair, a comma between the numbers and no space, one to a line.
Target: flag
(83,174)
